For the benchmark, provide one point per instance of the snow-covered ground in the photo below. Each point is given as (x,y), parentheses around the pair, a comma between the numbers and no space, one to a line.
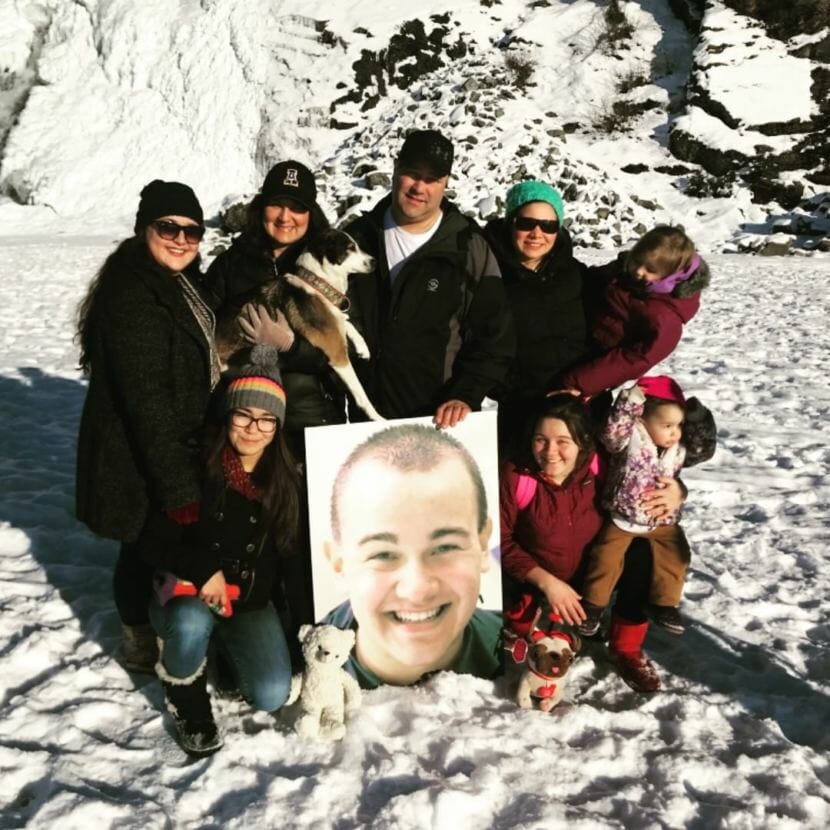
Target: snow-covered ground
(738,738)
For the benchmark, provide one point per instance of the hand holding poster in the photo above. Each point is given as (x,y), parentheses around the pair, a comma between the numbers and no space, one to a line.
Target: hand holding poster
(404,545)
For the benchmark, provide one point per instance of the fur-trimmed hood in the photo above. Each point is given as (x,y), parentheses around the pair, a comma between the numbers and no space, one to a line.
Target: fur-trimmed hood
(699,280)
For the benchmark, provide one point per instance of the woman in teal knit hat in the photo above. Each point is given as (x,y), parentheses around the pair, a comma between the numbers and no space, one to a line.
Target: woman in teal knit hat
(544,286)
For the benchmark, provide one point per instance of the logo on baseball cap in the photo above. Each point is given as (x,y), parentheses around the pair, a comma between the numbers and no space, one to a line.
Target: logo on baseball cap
(292,180)
(429,148)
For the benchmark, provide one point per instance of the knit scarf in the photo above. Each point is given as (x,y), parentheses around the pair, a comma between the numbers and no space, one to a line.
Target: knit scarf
(207,323)
(237,478)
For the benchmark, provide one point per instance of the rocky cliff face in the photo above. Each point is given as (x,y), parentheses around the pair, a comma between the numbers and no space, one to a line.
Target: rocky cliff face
(709,114)
(758,107)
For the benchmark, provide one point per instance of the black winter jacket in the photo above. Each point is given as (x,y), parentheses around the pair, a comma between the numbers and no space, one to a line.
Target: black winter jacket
(148,392)
(442,331)
(314,394)
(229,536)
(548,312)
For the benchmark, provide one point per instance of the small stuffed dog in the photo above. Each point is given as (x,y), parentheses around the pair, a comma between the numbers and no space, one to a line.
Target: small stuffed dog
(547,663)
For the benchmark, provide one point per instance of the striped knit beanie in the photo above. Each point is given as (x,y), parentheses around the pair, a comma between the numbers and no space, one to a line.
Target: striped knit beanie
(258,383)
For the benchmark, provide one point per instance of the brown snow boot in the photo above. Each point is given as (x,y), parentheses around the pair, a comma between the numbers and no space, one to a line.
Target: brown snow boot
(139,649)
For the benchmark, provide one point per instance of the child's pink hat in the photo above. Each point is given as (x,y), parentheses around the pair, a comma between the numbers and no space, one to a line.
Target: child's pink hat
(663,387)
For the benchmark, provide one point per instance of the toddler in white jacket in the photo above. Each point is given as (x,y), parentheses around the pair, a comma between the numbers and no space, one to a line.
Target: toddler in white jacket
(653,431)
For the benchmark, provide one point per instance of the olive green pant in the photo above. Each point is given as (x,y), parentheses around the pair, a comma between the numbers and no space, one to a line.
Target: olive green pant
(669,550)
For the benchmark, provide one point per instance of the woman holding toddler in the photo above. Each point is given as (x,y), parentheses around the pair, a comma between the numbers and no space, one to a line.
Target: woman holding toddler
(549,501)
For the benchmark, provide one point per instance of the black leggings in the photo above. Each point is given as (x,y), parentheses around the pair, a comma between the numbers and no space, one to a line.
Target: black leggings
(132,586)
(635,582)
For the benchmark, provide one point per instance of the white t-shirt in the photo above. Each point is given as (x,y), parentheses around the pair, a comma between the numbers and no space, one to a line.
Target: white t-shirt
(400,244)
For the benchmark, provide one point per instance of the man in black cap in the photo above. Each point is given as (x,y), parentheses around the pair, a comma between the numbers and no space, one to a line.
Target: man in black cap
(433,314)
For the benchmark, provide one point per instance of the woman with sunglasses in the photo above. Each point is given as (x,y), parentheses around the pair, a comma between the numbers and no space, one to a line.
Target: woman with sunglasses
(215,578)
(146,338)
(281,218)
(544,287)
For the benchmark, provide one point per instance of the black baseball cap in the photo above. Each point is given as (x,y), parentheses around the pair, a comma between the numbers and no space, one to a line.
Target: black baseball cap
(427,147)
(291,180)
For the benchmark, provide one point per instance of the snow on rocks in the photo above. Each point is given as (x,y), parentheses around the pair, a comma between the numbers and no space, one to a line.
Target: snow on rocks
(214,94)
(752,75)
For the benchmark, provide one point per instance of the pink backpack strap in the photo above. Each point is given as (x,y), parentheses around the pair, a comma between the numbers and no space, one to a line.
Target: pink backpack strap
(594,468)
(525,490)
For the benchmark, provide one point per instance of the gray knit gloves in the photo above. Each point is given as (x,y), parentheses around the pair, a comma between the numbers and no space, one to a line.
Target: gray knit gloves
(258,327)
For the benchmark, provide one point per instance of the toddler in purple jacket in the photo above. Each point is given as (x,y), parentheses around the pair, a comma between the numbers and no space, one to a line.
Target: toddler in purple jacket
(653,431)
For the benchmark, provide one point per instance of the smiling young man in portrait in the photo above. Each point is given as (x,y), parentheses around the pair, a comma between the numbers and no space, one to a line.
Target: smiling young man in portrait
(410,542)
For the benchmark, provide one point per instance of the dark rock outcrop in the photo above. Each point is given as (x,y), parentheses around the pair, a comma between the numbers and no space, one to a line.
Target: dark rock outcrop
(784,20)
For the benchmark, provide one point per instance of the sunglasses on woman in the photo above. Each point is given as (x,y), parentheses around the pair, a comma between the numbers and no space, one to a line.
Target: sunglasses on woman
(170,231)
(528,223)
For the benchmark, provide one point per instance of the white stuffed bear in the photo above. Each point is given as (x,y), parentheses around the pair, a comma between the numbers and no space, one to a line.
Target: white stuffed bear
(327,692)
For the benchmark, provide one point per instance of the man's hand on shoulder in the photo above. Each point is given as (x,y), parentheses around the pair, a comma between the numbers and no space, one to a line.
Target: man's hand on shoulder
(451,413)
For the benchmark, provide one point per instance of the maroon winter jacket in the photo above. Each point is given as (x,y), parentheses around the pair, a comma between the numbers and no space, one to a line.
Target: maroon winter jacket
(633,332)
(553,530)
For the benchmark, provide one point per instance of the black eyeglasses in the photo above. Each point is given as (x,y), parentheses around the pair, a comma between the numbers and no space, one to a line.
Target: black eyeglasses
(266,425)
(170,231)
(528,223)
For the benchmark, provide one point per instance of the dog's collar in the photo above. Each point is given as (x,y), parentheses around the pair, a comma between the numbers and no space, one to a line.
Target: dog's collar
(533,670)
(335,297)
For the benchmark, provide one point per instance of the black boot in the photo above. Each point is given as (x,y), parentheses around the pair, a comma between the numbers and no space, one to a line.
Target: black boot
(188,702)
(593,617)
(668,617)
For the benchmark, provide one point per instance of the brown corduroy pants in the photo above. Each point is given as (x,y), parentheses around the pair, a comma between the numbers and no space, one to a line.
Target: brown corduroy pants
(670,552)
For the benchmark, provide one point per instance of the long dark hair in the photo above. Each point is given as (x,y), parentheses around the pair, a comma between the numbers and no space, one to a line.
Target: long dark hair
(577,418)
(132,252)
(255,231)
(275,475)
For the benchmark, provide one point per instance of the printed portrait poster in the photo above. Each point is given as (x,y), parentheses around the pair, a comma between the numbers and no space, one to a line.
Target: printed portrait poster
(405,545)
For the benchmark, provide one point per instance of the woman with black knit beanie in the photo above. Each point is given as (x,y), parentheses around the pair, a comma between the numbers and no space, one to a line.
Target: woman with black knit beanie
(146,337)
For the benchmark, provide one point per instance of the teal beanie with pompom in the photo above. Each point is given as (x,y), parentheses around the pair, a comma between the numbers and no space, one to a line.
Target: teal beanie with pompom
(535,191)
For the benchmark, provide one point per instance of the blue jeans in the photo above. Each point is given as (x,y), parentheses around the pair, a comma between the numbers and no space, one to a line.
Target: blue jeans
(252,641)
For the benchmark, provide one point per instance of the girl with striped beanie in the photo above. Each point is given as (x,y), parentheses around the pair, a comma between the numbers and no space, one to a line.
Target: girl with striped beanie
(219,578)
